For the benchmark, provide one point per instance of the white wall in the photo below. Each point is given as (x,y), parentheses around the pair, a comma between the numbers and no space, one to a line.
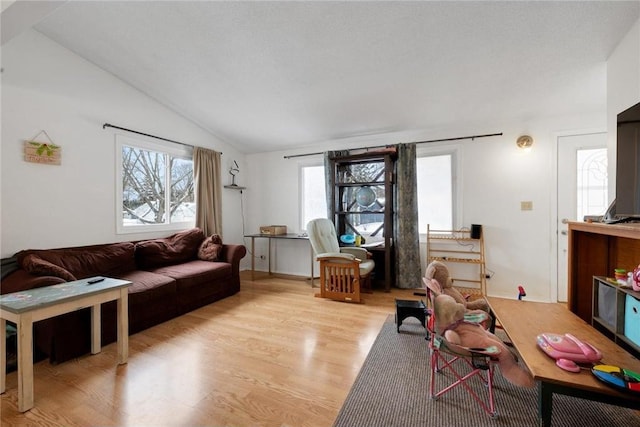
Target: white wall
(47,87)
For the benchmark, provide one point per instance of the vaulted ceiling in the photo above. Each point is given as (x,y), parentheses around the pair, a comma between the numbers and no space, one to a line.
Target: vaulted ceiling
(266,76)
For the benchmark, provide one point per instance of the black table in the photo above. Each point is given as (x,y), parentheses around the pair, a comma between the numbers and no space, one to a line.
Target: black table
(409,308)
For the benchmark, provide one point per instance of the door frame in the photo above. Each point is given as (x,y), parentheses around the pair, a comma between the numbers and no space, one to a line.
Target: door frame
(553,214)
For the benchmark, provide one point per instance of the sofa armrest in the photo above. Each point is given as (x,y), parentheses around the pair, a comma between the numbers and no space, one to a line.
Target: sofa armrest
(233,254)
(20,280)
(337,255)
(360,253)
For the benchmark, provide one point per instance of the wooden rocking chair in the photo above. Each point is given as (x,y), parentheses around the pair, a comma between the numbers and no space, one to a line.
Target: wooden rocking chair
(343,271)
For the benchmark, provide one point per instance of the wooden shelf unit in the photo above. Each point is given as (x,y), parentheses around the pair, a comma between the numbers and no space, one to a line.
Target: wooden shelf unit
(608,312)
(344,208)
(440,247)
(596,249)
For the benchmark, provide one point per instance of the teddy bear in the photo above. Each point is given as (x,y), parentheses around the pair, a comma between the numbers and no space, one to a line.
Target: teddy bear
(452,323)
(437,278)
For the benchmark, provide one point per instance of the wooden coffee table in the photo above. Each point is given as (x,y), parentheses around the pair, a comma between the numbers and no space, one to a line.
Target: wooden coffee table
(523,321)
(26,307)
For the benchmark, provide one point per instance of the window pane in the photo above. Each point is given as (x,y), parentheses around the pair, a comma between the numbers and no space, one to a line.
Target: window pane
(143,179)
(366,198)
(314,201)
(148,176)
(435,192)
(592,193)
(183,207)
(362,172)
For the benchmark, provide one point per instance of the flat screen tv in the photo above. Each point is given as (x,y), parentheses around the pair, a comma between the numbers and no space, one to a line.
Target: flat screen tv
(627,202)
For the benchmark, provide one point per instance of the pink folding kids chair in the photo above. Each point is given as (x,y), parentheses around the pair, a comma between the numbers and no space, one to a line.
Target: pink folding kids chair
(457,364)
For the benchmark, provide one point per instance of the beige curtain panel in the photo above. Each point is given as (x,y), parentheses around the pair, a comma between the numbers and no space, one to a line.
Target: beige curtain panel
(206,170)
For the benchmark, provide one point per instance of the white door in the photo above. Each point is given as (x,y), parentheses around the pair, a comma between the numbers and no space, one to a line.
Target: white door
(582,189)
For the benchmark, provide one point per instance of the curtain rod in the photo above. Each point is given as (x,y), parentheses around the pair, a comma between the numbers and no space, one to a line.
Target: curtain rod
(472,137)
(107,125)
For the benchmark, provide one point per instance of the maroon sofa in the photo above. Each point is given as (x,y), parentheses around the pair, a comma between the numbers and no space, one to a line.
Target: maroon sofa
(168,279)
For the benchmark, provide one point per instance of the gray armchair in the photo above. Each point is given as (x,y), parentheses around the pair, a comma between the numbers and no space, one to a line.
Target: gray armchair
(344,272)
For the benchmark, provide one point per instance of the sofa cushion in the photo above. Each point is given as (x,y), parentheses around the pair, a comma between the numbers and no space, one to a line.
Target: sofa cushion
(211,248)
(142,281)
(85,261)
(37,266)
(195,272)
(152,300)
(199,283)
(174,249)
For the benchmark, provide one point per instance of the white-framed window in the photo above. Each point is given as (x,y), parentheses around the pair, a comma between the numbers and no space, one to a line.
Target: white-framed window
(313,200)
(154,186)
(437,189)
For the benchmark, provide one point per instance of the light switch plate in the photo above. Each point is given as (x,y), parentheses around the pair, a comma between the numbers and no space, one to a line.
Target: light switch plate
(526,205)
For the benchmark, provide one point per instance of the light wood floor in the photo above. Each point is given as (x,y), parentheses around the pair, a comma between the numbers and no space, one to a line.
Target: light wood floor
(271,355)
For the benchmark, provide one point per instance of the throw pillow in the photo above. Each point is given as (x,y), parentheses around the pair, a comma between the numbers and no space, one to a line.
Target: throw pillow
(178,248)
(35,265)
(211,248)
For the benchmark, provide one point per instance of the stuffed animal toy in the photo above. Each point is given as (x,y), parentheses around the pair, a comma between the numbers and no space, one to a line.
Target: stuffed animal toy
(451,323)
(438,272)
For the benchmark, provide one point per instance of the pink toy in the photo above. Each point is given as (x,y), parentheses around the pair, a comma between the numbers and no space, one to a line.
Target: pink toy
(437,278)
(451,324)
(635,283)
(568,350)
(568,365)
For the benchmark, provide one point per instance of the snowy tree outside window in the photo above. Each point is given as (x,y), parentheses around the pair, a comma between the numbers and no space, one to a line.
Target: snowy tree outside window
(155,186)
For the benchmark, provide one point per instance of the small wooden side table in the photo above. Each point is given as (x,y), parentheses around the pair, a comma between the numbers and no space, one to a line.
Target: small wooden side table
(29,306)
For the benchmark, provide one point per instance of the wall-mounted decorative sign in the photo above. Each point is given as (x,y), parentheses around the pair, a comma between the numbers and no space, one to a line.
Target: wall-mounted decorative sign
(42,152)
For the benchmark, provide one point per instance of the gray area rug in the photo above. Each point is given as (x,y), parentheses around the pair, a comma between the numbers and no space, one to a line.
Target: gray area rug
(392,389)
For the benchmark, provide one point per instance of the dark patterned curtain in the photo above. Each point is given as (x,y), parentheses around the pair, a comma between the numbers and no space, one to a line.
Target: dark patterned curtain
(329,181)
(405,224)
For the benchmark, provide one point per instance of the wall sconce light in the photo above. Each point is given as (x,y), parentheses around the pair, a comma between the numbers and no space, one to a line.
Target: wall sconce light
(524,142)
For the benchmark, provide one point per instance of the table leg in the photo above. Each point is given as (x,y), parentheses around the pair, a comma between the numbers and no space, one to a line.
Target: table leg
(25,362)
(96,344)
(311,278)
(123,326)
(545,403)
(253,258)
(3,355)
(269,254)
